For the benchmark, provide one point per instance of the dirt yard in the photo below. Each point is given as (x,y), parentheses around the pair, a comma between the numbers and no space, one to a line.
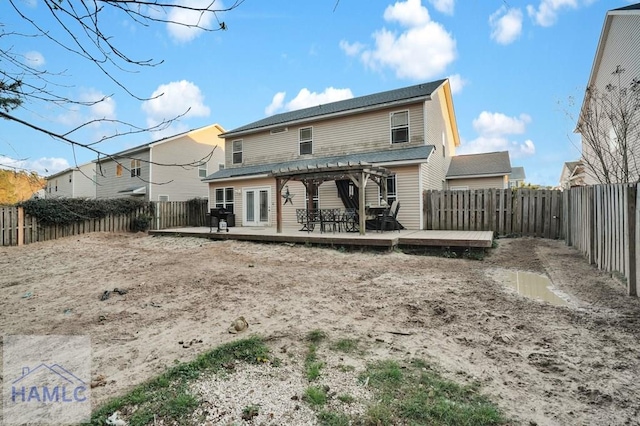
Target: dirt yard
(541,364)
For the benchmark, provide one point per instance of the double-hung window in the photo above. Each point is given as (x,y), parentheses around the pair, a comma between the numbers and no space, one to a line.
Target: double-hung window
(202,170)
(400,127)
(135,168)
(236,150)
(224,199)
(306,140)
(392,191)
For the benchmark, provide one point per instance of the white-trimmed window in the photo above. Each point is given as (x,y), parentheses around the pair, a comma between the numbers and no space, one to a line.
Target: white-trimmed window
(221,166)
(459,188)
(399,127)
(392,190)
(163,198)
(118,170)
(56,185)
(135,168)
(70,178)
(306,140)
(224,198)
(202,170)
(316,198)
(236,151)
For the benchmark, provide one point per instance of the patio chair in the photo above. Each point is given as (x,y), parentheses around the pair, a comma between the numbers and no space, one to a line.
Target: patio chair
(328,219)
(348,221)
(389,217)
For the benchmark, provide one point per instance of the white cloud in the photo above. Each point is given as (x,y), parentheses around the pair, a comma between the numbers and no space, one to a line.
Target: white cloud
(443,6)
(506,25)
(496,124)
(306,98)
(276,104)
(43,166)
(493,130)
(546,14)
(99,107)
(351,49)
(457,83)
(422,50)
(184,23)
(174,99)
(410,13)
(34,59)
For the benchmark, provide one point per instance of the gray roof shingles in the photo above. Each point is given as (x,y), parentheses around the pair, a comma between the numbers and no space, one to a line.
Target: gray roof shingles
(385,156)
(405,93)
(630,7)
(517,173)
(491,163)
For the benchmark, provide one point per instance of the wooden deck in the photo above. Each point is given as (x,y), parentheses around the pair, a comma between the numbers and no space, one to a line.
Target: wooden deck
(479,239)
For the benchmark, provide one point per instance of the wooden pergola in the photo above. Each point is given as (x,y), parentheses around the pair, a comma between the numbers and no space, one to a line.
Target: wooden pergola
(313,175)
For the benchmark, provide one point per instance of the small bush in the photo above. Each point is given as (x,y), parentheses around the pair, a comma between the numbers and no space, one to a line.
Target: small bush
(141,223)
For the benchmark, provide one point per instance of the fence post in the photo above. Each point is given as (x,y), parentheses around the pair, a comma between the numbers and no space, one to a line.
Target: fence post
(633,214)
(20,226)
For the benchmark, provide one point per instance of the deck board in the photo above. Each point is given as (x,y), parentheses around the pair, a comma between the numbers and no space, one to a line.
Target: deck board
(372,239)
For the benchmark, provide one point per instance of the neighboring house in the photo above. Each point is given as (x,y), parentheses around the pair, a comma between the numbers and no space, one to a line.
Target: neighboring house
(517,177)
(573,174)
(74,182)
(479,171)
(618,49)
(409,133)
(170,169)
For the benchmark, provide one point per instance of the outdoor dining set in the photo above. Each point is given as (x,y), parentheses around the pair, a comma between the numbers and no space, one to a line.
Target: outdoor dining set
(381,218)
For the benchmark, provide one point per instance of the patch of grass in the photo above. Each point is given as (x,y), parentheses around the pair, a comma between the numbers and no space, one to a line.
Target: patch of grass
(311,364)
(167,396)
(250,411)
(315,396)
(316,336)
(346,398)
(417,394)
(346,368)
(330,418)
(345,345)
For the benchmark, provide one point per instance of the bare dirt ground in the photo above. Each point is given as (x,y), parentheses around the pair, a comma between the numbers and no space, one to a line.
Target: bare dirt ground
(543,364)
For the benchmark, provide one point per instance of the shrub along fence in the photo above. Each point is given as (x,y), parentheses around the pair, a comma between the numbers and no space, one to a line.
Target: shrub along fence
(18,228)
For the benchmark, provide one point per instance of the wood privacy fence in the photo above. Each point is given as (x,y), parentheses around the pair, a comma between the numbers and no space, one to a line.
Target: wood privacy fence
(536,213)
(603,222)
(17,228)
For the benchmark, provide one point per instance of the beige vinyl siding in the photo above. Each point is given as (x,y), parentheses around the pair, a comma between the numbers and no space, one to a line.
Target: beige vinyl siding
(338,136)
(184,183)
(64,187)
(83,184)
(108,184)
(499,182)
(238,202)
(620,49)
(408,195)
(434,172)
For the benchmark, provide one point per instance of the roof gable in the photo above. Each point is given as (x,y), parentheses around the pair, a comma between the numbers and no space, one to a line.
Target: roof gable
(490,164)
(420,91)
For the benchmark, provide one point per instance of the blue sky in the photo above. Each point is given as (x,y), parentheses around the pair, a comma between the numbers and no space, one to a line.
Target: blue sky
(514,67)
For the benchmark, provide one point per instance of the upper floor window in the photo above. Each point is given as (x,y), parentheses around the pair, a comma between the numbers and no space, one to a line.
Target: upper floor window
(400,127)
(221,166)
(135,168)
(224,199)
(56,185)
(202,170)
(306,140)
(237,152)
(392,191)
(118,170)
(69,178)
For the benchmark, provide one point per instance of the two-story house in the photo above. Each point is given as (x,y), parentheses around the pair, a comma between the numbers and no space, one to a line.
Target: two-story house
(74,182)
(410,133)
(611,135)
(170,169)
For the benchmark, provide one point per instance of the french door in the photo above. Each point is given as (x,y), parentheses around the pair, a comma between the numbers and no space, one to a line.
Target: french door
(256,206)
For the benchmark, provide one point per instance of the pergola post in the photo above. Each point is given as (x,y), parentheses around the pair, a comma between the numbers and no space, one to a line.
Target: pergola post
(278,205)
(362,212)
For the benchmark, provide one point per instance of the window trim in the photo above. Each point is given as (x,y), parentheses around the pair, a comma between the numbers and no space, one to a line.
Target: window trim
(136,167)
(225,203)
(316,198)
(306,141)
(234,152)
(202,167)
(118,170)
(393,196)
(163,195)
(391,128)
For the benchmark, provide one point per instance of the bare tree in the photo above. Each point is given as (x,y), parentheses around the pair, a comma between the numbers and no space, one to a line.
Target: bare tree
(79,28)
(609,124)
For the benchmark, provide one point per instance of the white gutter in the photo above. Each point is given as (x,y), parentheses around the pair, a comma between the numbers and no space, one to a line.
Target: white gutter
(477,176)
(235,178)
